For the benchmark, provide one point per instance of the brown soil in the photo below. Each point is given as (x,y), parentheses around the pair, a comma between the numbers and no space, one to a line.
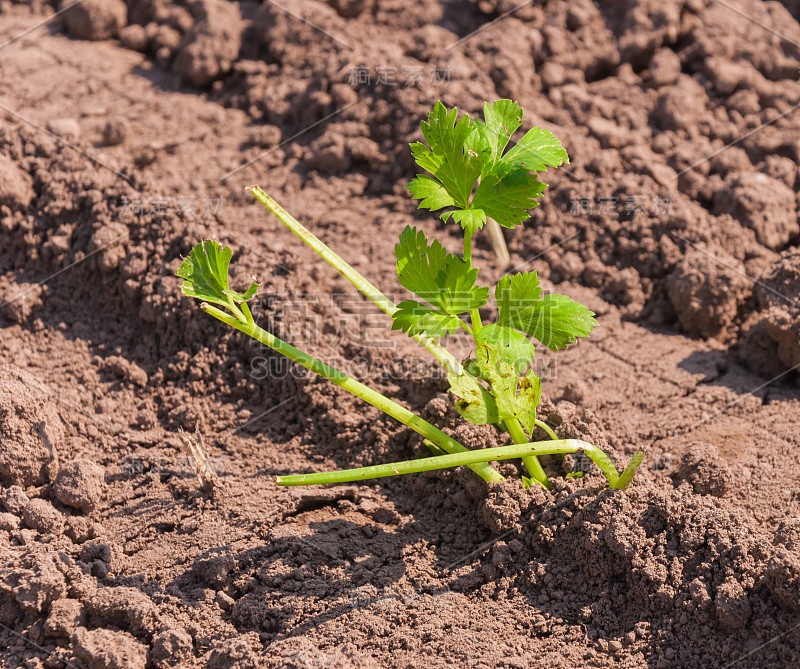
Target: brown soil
(127,128)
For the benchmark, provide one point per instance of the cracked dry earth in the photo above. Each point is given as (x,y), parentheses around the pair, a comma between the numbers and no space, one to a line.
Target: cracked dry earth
(125,130)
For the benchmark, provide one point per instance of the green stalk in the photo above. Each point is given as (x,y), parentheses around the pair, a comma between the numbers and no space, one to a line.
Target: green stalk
(475,314)
(400,413)
(469,458)
(546,428)
(531,462)
(630,471)
(346,270)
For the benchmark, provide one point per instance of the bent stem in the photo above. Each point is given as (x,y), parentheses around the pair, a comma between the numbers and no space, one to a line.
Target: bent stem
(469,458)
(354,277)
(546,428)
(400,413)
(531,462)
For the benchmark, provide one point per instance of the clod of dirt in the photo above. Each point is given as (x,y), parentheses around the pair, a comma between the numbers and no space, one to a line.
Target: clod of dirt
(209,49)
(761,203)
(778,293)
(781,168)
(15,500)
(625,287)
(574,392)
(213,571)
(95,19)
(705,470)
(21,300)
(706,289)
(9,522)
(733,606)
(64,127)
(115,132)
(43,517)
(788,534)
(757,350)
(265,136)
(552,74)
(125,369)
(237,653)
(106,649)
(36,580)
(163,40)
(78,529)
(80,484)
(108,243)
(103,558)
(134,37)
(349,9)
(127,608)
(328,156)
(680,106)
(665,67)
(95,552)
(171,648)
(16,185)
(30,429)
(782,578)
(507,503)
(66,616)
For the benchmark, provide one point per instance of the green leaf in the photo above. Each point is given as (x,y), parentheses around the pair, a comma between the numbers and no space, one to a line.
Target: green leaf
(476,404)
(205,275)
(508,199)
(455,157)
(452,158)
(513,346)
(457,292)
(460,151)
(515,292)
(470,219)
(516,397)
(530,394)
(433,194)
(415,318)
(417,263)
(555,320)
(440,278)
(502,118)
(536,151)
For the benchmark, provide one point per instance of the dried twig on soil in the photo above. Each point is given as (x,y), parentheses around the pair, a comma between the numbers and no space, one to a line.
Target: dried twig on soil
(200,463)
(498,243)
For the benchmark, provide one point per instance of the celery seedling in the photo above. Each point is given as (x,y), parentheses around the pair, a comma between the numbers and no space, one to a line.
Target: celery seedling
(470,174)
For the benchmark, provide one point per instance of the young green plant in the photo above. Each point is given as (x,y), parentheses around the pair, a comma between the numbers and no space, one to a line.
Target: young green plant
(472,175)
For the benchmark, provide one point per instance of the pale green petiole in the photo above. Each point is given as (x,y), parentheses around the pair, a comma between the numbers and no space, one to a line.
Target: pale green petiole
(546,428)
(469,458)
(396,411)
(346,270)
(630,471)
